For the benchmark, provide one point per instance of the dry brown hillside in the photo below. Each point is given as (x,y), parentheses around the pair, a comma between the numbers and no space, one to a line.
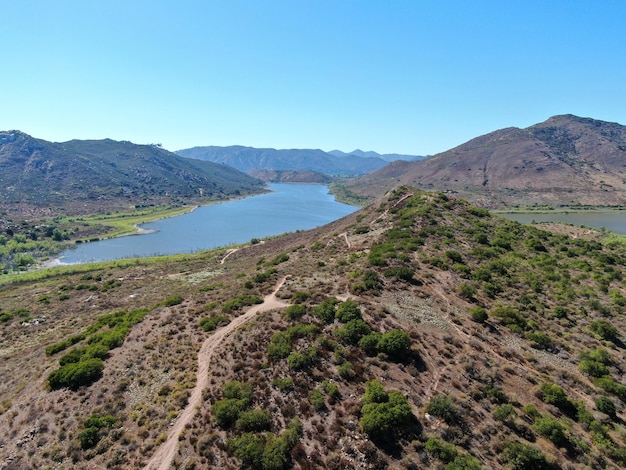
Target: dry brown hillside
(420,332)
(566,160)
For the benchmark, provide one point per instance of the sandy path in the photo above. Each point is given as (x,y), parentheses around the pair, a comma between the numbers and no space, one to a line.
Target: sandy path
(228,253)
(164,455)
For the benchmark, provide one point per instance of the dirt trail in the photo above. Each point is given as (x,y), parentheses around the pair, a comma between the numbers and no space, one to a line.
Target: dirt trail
(164,455)
(228,253)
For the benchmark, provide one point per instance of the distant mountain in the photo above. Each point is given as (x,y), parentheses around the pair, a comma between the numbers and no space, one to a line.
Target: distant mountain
(250,158)
(290,176)
(566,160)
(388,157)
(84,176)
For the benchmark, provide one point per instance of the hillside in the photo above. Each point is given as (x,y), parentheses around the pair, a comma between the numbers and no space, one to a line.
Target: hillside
(419,332)
(249,158)
(89,176)
(564,161)
(291,176)
(388,157)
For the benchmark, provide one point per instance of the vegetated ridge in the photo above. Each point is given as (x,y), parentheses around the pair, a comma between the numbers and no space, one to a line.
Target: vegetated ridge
(421,332)
(564,161)
(291,176)
(87,176)
(388,157)
(250,158)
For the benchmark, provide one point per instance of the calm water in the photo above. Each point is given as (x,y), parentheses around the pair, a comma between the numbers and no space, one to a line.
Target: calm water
(613,221)
(288,208)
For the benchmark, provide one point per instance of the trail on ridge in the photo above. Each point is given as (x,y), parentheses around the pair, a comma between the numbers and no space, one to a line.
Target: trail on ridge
(164,455)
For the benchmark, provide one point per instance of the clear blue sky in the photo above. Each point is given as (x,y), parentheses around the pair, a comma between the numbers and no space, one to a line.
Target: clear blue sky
(413,76)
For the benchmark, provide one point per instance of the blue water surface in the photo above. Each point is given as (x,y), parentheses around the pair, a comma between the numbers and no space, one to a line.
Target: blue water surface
(289,207)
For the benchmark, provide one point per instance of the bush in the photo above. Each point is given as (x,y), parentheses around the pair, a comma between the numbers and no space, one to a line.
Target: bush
(211,323)
(604,330)
(369,343)
(441,450)
(555,395)
(353,331)
(525,457)
(95,428)
(171,301)
(402,273)
(467,291)
(78,374)
(606,406)
(348,310)
(326,311)
(384,420)
(284,384)
(254,420)
(227,411)
(395,343)
(551,429)
(296,311)
(442,407)
(317,400)
(249,448)
(346,370)
(478,314)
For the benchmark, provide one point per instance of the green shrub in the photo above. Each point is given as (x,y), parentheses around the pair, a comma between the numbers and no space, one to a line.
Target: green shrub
(525,457)
(369,343)
(348,310)
(78,374)
(249,448)
(227,411)
(395,343)
(551,429)
(606,406)
(504,412)
(353,331)
(275,454)
(211,323)
(555,395)
(171,301)
(604,330)
(346,370)
(284,384)
(95,427)
(402,273)
(478,314)
(326,311)
(240,302)
(444,408)
(254,420)
(294,312)
(317,400)
(384,415)
(441,450)
(467,291)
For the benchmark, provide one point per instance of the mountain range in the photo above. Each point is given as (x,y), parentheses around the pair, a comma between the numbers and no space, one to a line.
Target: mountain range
(565,161)
(333,163)
(87,176)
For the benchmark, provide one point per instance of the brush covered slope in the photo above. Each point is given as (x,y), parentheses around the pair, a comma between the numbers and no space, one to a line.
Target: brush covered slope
(564,161)
(40,178)
(419,332)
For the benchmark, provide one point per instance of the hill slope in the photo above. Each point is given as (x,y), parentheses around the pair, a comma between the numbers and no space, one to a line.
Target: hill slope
(249,158)
(420,332)
(90,176)
(566,160)
(388,157)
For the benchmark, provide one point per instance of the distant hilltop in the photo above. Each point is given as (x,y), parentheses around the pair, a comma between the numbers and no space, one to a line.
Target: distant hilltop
(89,176)
(334,163)
(566,160)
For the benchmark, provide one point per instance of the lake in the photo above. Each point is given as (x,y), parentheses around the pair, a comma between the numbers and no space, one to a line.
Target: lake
(288,208)
(613,221)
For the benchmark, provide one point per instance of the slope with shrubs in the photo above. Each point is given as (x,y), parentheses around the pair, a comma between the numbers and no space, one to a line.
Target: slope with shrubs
(422,332)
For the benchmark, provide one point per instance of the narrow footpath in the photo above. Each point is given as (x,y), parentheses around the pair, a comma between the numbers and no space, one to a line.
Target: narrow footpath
(164,455)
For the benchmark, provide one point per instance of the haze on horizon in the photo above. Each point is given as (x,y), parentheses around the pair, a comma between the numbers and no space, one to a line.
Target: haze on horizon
(398,77)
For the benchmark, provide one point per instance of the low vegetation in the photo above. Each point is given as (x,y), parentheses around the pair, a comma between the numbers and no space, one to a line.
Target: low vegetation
(420,332)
